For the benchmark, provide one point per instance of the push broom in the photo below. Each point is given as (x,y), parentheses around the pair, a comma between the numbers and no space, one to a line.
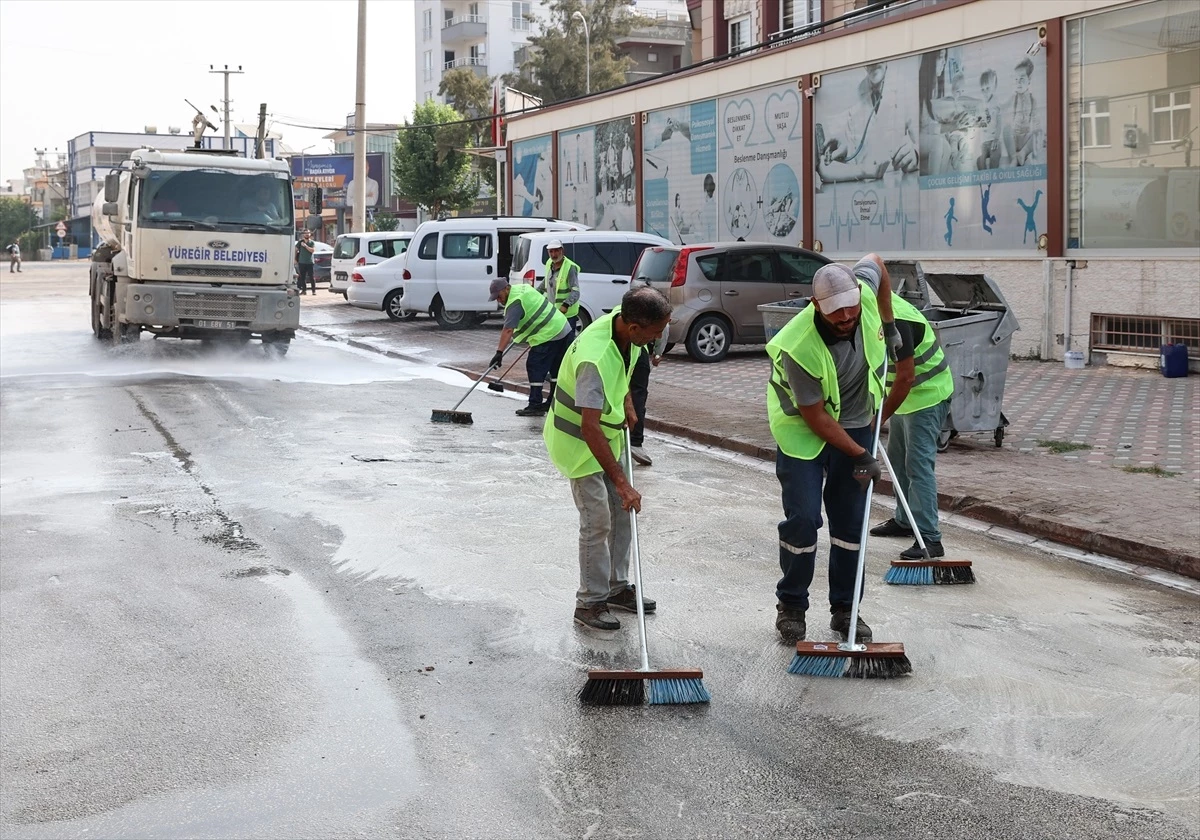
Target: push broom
(441,415)
(628,688)
(497,384)
(927,571)
(851,658)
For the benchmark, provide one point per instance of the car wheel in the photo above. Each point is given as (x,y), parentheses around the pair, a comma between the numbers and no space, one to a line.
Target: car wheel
(345,295)
(668,347)
(450,319)
(708,340)
(584,320)
(396,312)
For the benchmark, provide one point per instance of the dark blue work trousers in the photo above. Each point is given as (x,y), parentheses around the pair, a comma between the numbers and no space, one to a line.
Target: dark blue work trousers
(543,363)
(845,503)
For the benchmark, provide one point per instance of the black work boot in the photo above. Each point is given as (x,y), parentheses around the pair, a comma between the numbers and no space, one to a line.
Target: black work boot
(891,528)
(627,600)
(840,623)
(913,552)
(789,621)
(597,617)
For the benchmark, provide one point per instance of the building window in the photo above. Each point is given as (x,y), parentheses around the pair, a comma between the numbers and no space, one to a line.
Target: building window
(652,57)
(739,33)
(520,12)
(427,24)
(1170,116)
(447,18)
(1093,127)
(428,65)
(1133,72)
(795,14)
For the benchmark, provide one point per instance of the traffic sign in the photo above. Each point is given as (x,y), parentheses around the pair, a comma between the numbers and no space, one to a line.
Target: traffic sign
(60,229)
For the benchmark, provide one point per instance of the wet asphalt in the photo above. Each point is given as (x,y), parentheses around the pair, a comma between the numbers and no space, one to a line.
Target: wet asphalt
(253,598)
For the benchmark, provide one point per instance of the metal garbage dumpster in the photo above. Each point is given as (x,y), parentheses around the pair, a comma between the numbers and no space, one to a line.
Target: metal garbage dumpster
(974,325)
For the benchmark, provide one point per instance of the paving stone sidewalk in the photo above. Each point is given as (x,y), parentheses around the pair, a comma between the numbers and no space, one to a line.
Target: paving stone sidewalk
(1085,497)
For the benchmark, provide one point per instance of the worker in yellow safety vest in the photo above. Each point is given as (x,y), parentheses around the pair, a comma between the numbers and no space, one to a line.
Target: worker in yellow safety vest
(562,282)
(827,382)
(585,437)
(531,319)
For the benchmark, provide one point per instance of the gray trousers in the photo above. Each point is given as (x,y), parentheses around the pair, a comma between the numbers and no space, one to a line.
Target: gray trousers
(604,536)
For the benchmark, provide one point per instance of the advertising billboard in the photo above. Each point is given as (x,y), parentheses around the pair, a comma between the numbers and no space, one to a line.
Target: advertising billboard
(679,172)
(334,174)
(532,177)
(595,177)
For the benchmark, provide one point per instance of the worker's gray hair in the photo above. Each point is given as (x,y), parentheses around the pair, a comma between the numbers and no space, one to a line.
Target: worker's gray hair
(644,306)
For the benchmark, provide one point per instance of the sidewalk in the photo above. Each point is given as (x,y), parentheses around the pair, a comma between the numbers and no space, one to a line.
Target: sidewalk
(1082,498)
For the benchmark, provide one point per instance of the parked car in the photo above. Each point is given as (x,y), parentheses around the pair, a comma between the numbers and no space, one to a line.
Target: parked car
(716,289)
(380,287)
(606,259)
(322,262)
(453,261)
(352,250)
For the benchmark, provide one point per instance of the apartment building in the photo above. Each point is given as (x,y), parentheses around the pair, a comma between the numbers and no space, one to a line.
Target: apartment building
(1046,143)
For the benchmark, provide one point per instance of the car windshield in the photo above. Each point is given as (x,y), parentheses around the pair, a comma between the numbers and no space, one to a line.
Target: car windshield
(347,248)
(210,199)
(656,264)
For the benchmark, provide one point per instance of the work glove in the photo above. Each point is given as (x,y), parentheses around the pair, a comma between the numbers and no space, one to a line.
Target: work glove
(866,470)
(497,359)
(891,337)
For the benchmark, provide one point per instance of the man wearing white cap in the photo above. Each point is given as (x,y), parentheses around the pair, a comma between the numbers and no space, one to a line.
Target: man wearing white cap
(562,282)
(530,318)
(827,381)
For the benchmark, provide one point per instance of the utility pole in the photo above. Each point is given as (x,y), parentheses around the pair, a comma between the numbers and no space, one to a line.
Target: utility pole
(227,100)
(360,125)
(260,144)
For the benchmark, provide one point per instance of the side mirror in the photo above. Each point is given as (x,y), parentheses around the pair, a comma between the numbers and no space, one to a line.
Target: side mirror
(112,186)
(109,208)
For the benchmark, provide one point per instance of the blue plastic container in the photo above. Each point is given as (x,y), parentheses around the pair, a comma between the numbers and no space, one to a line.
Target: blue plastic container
(1173,360)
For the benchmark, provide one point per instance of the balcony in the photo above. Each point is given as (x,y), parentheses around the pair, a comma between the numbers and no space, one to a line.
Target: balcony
(521,25)
(464,28)
(479,65)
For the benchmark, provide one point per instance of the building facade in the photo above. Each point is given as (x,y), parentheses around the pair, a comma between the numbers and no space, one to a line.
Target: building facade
(1047,144)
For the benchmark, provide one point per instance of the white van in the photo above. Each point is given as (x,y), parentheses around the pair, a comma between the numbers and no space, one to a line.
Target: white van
(352,250)
(606,259)
(452,262)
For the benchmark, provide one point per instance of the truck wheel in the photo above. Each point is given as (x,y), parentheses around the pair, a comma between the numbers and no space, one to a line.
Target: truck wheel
(275,348)
(708,340)
(450,319)
(396,312)
(97,330)
(125,333)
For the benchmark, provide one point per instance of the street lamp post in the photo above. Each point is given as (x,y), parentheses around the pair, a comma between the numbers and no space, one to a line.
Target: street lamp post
(587,39)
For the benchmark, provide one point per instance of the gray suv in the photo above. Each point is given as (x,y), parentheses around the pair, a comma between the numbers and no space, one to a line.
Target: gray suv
(716,289)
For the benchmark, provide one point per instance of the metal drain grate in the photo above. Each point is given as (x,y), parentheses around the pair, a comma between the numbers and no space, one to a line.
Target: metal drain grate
(1141,334)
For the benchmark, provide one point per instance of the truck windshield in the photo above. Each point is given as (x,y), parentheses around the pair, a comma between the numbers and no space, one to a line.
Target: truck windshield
(216,200)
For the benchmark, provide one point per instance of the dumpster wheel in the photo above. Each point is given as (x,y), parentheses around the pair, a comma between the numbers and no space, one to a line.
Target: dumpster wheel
(944,438)
(998,435)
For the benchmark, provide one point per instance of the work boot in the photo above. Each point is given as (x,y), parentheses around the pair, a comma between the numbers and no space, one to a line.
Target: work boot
(533,410)
(914,552)
(789,621)
(627,601)
(840,623)
(640,456)
(597,617)
(891,528)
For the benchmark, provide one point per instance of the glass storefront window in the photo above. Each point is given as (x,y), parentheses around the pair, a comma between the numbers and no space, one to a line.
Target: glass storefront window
(1133,78)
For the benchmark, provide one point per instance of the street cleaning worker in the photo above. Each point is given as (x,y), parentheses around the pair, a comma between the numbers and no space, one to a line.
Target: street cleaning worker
(827,377)
(562,282)
(531,319)
(585,437)
(913,435)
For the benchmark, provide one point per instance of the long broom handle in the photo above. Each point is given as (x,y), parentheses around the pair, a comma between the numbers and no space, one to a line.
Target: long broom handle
(514,364)
(851,642)
(903,502)
(637,558)
(473,387)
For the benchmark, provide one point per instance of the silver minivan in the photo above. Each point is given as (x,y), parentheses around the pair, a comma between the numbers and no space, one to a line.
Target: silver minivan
(716,289)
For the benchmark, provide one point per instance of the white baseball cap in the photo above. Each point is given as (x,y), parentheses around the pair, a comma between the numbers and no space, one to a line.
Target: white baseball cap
(554,243)
(835,287)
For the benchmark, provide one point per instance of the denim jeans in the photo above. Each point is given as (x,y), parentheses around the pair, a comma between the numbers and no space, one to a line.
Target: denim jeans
(604,537)
(845,505)
(543,363)
(912,450)
(304,272)
(639,388)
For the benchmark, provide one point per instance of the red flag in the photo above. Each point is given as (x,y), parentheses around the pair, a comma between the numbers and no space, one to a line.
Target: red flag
(496,115)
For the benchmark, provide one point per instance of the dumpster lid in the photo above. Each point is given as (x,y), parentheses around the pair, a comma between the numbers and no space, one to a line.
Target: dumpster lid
(976,292)
(908,281)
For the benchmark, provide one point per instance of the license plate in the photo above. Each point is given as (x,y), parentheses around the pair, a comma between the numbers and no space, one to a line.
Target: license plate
(339,275)
(217,325)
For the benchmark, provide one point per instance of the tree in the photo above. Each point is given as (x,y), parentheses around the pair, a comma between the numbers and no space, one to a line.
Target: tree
(16,217)
(471,95)
(386,221)
(430,166)
(556,68)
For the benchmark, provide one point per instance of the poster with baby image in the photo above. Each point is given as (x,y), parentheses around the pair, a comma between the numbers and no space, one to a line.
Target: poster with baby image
(865,127)
(983,145)
(679,171)
(758,160)
(532,176)
(576,176)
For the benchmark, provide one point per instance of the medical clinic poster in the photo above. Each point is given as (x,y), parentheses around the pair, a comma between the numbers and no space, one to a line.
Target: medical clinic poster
(679,172)
(759,164)
(532,176)
(576,169)
(938,152)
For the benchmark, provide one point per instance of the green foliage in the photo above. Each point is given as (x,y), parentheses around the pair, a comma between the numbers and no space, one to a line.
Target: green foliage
(430,166)
(471,95)
(1154,470)
(556,68)
(385,221)
(30,241)
(16,217)
(1058,447)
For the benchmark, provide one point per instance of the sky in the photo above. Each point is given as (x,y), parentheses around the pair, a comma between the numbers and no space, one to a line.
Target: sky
(298,56)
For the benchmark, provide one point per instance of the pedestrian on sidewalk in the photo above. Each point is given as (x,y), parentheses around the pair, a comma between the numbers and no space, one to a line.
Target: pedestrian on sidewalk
(562,283)
(639,388)
(827,382)
(304,262)
(913,435)
(529,318)
(585,436)
(14,257)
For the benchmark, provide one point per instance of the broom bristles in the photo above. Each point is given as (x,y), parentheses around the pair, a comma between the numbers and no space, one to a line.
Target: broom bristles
(877,660)
(928,573)
(678,692)
(610,692)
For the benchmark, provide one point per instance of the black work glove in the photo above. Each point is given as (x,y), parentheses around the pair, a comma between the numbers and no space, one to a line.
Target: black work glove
(866,470)
(497,359)
(892,338)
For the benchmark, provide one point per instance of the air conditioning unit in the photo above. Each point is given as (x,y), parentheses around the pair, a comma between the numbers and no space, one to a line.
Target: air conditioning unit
(1131,136)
